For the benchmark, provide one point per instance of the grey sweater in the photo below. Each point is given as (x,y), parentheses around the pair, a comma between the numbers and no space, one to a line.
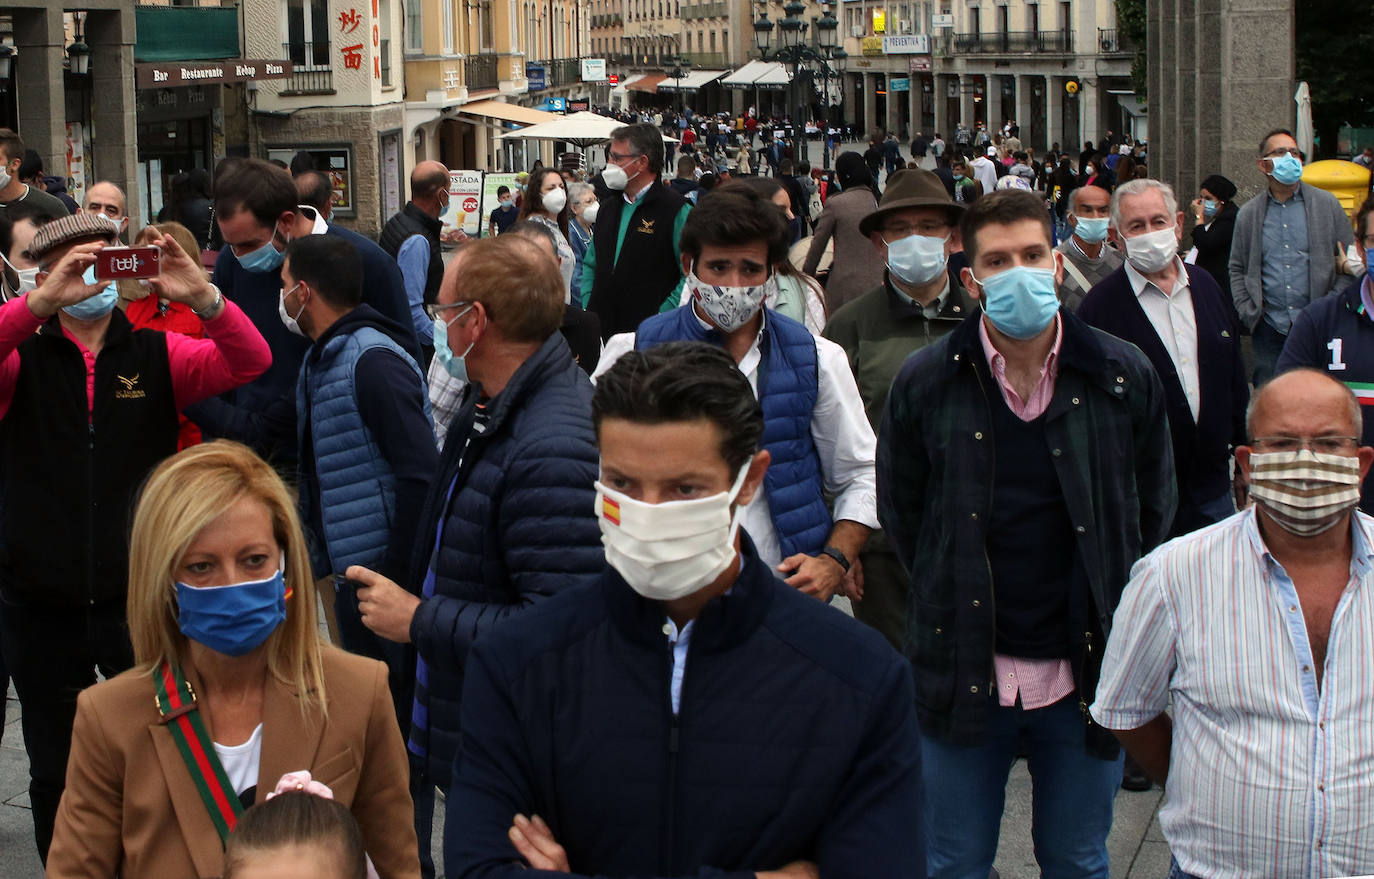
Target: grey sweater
(1327,225)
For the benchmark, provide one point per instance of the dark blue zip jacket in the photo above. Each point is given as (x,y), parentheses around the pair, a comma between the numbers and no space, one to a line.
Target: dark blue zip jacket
(517,527)
(796,738)
(1336,334)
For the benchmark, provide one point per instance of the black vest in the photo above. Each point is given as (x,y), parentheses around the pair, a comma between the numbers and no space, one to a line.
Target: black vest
(627,292)
(409,222)
(1030,541)
(71,475)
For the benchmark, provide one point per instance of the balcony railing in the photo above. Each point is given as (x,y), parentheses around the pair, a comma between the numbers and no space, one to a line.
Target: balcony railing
(1113,41)
(705,10)
(311,73)
(1013,42)
(563,71)
(706,60)
(479,71)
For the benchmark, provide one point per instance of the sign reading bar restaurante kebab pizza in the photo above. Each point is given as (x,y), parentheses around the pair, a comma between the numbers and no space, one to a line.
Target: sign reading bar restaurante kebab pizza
(179,73)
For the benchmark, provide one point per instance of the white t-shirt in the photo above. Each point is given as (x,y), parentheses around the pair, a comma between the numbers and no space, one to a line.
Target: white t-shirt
(241,762)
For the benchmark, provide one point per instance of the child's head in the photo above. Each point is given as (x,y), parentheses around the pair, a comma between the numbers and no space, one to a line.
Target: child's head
(296,835)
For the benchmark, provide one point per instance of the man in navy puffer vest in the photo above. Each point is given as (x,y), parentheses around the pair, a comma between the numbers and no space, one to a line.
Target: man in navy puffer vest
(814,423)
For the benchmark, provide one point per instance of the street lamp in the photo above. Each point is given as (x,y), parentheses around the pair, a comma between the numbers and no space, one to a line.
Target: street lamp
(6,61)
(79,57)
(677,73)
(821,57)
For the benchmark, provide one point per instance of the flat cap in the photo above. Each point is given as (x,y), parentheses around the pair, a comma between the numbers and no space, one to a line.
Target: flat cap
(80,226)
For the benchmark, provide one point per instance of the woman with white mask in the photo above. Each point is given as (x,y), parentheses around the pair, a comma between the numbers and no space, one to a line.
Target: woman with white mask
(546,202)
(584,210)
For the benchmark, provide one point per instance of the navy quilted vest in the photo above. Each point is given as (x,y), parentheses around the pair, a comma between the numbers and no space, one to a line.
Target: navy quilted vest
(357,486)
(788,379)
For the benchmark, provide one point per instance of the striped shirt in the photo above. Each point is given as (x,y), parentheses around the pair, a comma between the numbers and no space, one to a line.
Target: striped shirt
(1269,776)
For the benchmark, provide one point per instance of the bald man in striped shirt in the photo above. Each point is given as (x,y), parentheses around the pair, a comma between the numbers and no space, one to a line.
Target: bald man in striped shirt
(1261,628)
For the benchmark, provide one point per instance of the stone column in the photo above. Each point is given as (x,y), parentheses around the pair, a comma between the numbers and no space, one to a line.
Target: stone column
(992,100)
(893,122)
(38,78)
(1186,107)
(1054,105)
(1207,144)
(967,113)
(1024,85)
(1089,112)
(941,98)
(870,116)
(114,156)
(1257,66)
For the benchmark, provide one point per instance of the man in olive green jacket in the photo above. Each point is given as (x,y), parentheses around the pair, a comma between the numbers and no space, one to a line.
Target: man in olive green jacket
(915,230)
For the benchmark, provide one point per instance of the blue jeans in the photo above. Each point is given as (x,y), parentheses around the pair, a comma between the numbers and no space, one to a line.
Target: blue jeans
(965,789)
(1266,343)
(1175,872)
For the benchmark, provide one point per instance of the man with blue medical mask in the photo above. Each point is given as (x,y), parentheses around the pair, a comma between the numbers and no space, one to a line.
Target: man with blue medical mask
(1088,254)
(88,406)
(1288,250)
(915,230)
(1024,465)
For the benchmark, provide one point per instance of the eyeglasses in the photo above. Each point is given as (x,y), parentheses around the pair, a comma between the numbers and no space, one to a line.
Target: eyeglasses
(1284,151)
(620,157)
(1327,445)
(931,229)
(438,306)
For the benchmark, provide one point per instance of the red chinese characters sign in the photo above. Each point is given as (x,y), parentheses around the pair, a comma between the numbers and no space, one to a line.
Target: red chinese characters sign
(349,22)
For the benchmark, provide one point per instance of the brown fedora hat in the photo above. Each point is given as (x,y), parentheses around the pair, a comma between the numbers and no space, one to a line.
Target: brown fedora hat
(911,188)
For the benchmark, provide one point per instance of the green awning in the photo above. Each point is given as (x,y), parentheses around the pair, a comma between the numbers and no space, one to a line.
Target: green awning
(186,33)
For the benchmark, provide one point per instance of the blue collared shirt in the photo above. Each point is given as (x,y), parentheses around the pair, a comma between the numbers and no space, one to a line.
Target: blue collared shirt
(1283,264)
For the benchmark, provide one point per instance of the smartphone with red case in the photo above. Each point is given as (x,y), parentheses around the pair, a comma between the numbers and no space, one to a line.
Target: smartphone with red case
(128,263)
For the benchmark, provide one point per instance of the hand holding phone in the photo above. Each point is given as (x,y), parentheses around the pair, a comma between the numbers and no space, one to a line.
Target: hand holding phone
(128,263)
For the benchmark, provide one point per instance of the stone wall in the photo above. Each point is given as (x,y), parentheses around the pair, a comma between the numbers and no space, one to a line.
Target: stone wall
(1220,77)
(356,126)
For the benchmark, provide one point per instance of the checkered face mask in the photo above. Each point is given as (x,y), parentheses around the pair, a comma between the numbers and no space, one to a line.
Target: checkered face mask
(1305,492)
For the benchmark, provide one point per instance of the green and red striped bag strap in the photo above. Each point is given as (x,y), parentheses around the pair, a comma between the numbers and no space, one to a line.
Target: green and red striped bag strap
(176,703)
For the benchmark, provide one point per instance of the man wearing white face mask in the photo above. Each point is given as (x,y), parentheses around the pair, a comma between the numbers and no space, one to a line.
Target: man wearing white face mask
(633,268)
(1259,631)
(1088,257)
(818,436)
(1023,467)
(18,225)
(1175,313)
(758,733)
(1284,250)
(915,231)
(89,407)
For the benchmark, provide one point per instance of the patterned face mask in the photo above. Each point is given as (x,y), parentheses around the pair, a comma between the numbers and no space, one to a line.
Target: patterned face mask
(730,308)
(1305,492)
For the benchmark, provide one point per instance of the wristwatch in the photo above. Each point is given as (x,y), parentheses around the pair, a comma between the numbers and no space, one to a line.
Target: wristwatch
(214,308)
(837,556)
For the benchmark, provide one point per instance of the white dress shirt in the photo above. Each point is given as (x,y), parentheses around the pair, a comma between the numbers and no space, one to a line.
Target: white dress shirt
(1171,314)
(844,440)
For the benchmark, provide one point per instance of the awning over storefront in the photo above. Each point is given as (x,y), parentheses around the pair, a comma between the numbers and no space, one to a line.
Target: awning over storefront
(745,76)
(186,33)
(692,81)
(646,83)
(506,112)
(777,77)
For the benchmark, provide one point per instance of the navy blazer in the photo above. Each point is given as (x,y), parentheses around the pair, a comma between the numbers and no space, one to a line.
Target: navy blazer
(1202,449)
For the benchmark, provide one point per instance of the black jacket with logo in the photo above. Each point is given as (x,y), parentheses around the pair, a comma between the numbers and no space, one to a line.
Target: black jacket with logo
(626,292)
(70,473)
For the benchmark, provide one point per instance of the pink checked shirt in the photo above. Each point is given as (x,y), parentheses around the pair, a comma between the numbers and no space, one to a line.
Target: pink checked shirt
(1039,682)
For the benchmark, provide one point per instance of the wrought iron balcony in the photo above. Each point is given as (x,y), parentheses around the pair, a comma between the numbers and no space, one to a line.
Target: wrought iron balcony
(312,73)
(1113,41)
(479,71)
(1013,43)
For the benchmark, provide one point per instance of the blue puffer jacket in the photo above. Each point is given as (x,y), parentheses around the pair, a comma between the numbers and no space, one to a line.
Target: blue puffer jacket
(357,487)
(788,385)
(796,738)
(517,527)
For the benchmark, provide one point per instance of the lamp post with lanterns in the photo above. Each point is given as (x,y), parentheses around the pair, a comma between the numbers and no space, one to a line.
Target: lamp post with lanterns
(822,57)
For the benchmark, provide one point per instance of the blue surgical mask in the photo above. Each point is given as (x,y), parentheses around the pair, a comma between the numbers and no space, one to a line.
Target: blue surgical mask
(1369,263)
(97,306)
(232,619)
(1093,230)
(1287,169)
(917,259)
(1210,208)
(1021,301)
(456,365)
(506,202)
(265,259)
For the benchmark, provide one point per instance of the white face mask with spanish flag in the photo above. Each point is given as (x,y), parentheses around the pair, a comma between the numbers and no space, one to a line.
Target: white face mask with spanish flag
(670,550)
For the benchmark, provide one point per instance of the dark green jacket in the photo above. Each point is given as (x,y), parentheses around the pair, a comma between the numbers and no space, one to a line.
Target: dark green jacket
(1109,437)
(879,330)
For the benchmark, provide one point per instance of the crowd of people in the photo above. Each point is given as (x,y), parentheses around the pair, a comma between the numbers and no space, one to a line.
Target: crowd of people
(719,524)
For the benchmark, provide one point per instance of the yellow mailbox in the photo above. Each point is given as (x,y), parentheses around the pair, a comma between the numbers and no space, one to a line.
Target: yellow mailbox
(1345,180)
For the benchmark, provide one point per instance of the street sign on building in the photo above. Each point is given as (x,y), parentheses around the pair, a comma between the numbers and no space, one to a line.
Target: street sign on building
(872,45)
(910,44)
(178,73)
(535,74)
(941,21)
(920,63)
(593,69)
(899,84)
(613,79)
